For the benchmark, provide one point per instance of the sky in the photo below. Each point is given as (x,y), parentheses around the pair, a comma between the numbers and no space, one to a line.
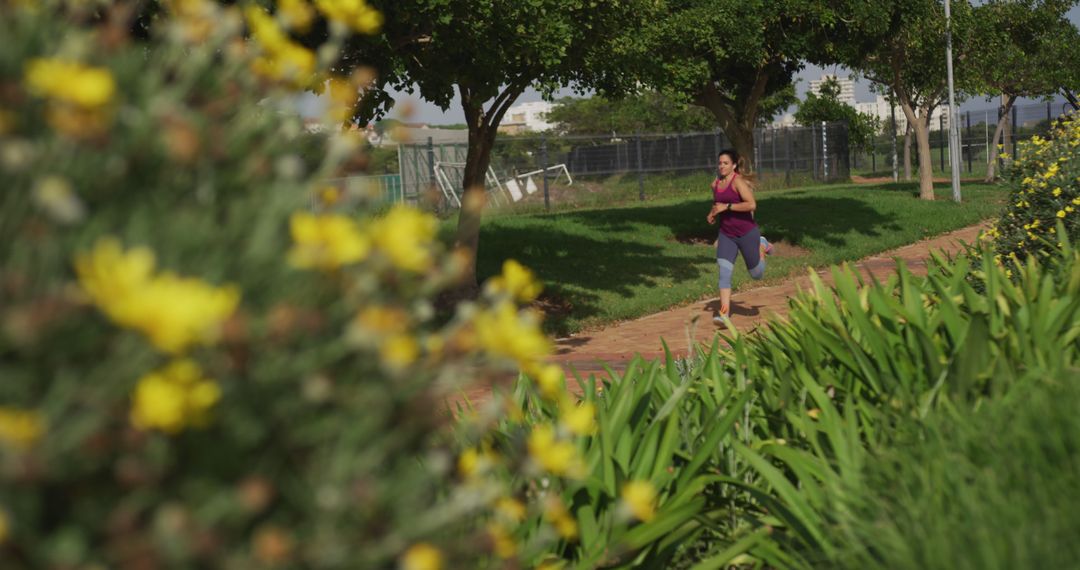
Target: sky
(424,112)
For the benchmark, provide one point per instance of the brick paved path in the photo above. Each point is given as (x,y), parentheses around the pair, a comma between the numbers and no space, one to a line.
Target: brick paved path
(617,344)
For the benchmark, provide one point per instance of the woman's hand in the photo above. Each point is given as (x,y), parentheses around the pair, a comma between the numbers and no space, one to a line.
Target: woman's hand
(711,218)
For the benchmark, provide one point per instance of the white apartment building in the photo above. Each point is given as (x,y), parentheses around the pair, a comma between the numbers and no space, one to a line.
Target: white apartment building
(847,88)
(880,108)
(526,117)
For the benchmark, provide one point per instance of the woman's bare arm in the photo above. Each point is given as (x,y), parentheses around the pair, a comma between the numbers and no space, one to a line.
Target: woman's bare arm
(746,193)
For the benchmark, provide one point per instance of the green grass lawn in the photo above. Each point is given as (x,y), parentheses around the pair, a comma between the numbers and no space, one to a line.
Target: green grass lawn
(605,265)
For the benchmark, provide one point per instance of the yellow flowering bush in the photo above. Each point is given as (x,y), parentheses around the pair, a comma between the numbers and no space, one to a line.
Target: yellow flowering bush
(1045,180)
(199,370)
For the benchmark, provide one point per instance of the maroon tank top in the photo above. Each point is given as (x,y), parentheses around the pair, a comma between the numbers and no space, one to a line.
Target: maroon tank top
(733,224)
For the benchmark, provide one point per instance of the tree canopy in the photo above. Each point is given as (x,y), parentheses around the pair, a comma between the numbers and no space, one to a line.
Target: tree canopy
(647,112)
(1025,48)
(735,58)
(486,52)
(900,44)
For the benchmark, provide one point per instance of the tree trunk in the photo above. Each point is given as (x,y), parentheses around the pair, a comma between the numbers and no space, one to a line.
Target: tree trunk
(483,126)
(921,126)
(742,139)
(926,159)
(992,151)
(473,200)
(736,121)
(907,153)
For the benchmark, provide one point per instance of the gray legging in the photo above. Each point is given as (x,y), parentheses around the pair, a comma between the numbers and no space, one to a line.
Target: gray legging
(728,247)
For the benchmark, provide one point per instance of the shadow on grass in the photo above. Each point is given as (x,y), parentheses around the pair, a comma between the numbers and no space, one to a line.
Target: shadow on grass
(581,255)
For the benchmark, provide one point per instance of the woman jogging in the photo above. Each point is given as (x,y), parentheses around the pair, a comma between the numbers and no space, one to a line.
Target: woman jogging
(734,205)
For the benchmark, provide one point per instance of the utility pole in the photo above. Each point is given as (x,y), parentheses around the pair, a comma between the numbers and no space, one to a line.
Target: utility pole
(892,114)
(954,126)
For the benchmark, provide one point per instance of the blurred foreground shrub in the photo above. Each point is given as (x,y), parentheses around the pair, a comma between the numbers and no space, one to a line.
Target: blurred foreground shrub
(197,370)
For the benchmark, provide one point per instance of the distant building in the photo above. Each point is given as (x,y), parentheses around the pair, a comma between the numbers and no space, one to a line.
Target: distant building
(881,109)
(786,120)
(526,117)
(847,88)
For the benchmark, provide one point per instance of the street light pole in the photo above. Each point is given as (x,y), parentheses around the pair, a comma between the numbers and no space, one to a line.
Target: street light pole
(954,132)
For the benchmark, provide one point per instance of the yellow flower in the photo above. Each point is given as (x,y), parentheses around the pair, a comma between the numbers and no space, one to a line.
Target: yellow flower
(550,381)
(406,235)
(354,13)
(640,497)
(517,281)
(556,514)
(292,64)
(329,195)
(503,332)
(1076,201)
(326,242)
(20,429)
(173,312)
(296,13)
(284,59)
(1057,192)
(421,556)
(1061,213)
(383,320)
(558,457)
(399,351)
(70,82)
(342,96)
(109,274)
(265,30)
(196,18)
(510,509)
(505,546)
(474,462)
(173,398)
(579,420)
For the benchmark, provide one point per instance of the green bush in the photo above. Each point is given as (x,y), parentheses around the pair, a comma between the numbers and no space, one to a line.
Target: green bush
(623,474)
(197,371)
(1045,180)
(877,391)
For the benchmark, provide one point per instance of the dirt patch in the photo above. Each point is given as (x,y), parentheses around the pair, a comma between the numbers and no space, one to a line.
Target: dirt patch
(696,239)
(785,249)
(552,305)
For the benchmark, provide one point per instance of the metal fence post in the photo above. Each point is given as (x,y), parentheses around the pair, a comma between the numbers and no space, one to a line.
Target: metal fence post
(813,153)
(788,153)
(543,172)
(968,137)
(1049,118)
(431,163)
(824,152)
(640,170)
(1015,133)
(941,140)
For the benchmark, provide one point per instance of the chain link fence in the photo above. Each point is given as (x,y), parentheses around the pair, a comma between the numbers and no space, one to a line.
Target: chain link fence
(531,172)
(976,134)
